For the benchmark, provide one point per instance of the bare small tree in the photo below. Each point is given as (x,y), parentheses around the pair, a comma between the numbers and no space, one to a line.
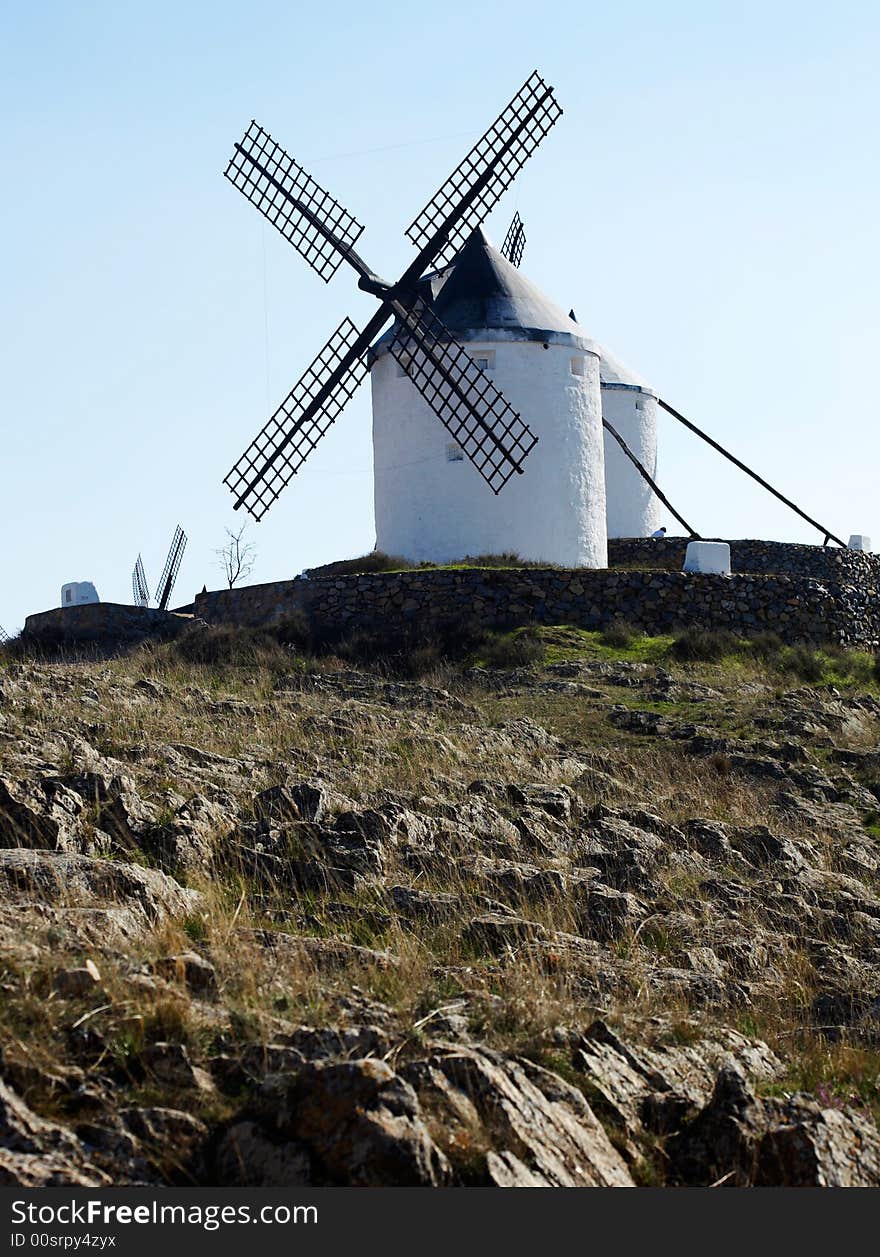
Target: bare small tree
(236,557)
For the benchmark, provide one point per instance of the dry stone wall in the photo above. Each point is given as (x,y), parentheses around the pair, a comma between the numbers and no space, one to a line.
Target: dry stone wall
(804,593)
(104,624)
(776,557)
(798,608)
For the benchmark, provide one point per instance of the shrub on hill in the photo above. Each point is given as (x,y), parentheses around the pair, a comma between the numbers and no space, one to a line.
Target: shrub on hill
(226,647)
(696,645)
(619,635)
(514,650)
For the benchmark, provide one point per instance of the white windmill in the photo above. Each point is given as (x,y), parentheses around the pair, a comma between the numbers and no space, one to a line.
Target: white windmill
(521,391)
(429,502)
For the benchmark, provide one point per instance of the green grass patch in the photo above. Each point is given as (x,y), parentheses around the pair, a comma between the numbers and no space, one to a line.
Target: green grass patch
(871,823)
(565,642)
(376,561)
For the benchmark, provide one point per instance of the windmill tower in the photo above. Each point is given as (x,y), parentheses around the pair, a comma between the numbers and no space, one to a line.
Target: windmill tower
(630,406)
(428,502)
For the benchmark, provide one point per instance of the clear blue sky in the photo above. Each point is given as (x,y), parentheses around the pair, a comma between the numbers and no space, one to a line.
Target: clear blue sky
(708,204)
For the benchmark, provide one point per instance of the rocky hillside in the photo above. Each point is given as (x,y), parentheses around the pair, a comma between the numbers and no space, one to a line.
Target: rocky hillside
(575,911)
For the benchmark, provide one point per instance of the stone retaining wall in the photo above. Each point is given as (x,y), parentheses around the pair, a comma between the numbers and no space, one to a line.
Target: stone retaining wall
(798,608)
(778,557)
(104,624)
(804,593)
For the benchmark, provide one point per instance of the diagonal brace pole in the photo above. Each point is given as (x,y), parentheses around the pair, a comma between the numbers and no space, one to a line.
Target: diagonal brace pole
(642,470)
(827,534)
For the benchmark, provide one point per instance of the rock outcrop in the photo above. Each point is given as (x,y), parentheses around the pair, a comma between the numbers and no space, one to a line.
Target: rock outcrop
(306,925)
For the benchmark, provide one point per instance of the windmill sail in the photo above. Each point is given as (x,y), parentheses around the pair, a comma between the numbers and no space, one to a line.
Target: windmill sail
(309,409)
(4,636)
(476,185)
(514,241)
(292,201)
(481,421)
(171,568)
(139,587)
(488,429)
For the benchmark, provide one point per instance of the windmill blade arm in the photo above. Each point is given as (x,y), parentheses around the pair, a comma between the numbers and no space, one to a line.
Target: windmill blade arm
(171,568)
(307,216)
(477,416)
(474,188)
(514,241)
(313,404)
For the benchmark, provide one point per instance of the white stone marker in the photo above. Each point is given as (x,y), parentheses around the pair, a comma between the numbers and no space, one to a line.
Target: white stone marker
(708,556)
(858,541)
(78,592)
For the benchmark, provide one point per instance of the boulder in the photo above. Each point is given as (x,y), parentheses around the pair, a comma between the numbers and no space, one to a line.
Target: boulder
(360,1123)
(37,1153)
(510,1122)
(130,899)
(247,1157)
(810,1146)
(190,970)
(797,1142)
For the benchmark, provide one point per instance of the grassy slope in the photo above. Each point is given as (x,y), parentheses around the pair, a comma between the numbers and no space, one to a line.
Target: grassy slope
(278,730)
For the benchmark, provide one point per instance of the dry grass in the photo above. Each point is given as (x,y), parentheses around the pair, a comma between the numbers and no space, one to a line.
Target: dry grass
(264,713)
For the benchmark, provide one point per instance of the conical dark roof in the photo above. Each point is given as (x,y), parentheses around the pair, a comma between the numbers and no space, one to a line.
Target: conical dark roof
(482,297)
(614,374)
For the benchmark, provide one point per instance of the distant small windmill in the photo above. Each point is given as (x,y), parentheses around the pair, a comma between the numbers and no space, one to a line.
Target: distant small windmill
(171,568)
(514,241)
(139,587)
(482,423)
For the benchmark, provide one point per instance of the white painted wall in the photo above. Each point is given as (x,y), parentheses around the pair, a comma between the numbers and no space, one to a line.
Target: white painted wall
(633,508)
(428,508)
(630,405)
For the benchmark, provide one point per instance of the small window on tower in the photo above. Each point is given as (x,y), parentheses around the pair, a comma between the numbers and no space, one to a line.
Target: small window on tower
(454,453)
(577,366)
(484,359)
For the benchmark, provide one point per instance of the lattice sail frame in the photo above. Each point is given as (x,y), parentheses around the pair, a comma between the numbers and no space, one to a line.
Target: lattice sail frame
(254,179)
(171,568)
(514,241)
(139,587)
(275,456)
(505,148)
(4,636)
(306,215)
(477,416)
